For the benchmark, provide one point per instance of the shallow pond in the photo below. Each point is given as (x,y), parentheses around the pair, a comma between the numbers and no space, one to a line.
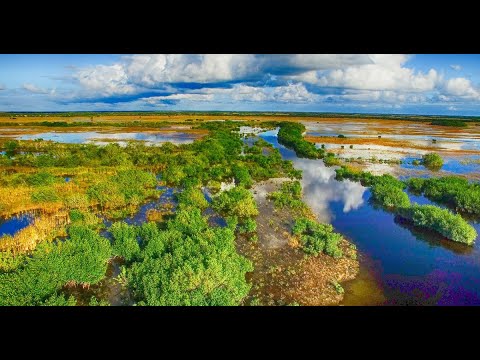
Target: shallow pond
(14,224)
(400,264)
(122,138)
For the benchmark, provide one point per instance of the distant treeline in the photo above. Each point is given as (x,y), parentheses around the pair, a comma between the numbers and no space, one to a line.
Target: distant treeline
(409,117)
(90,123)
(449,122)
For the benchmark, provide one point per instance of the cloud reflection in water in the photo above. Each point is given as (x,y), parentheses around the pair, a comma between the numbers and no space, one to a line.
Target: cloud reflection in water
(320,189)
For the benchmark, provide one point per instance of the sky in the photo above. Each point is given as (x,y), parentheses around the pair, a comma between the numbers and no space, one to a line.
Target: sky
(444,84)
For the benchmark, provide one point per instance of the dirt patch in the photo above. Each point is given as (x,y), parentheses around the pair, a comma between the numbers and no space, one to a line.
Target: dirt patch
(283,274)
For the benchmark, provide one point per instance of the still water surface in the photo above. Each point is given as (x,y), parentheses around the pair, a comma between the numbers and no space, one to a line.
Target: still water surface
(400,265)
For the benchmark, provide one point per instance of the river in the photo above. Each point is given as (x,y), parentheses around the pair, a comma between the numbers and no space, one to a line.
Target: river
(400,265)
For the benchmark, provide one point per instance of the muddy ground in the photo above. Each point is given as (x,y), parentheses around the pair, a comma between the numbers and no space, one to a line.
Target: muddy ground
(283,274)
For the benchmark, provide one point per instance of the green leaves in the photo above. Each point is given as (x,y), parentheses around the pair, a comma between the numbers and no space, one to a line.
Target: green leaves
(127,187)
(291,135)
(317,238)
(451,190)
(432,161)
(125,242)
(289,195)
(188,264)
(82,258)
(388,191)
(450,225)
(235,202)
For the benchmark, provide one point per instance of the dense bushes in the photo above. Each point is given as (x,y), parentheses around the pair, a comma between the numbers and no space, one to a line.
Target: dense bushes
(388,191)
(449,122)
(317,238)
(291,135)
(80,259)
(235,202)
(127,187)
(454,191)
(188,264)
(289,195)
(432,161)
(45,194)
(452,226)
(364,177)
(125,242)
(192,197)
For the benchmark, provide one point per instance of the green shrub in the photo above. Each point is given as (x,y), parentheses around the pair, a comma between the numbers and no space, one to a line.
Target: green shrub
(388,191)
(415,185)
(454,191)
(76,201)
(198,266)
(235,202)
(291,135)
(450,225)
(289,195)
(432,161)
(125,242)
(249,226)
(192,197)
(60,300)
(81,259)
(41,179)
(316,238)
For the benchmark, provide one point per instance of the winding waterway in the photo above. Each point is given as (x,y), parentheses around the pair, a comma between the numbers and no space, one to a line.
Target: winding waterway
(400,265)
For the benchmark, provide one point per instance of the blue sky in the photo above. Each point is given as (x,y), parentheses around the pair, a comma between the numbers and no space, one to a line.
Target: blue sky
(393,83)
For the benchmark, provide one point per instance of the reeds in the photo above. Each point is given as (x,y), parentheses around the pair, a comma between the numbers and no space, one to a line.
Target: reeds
(44,228)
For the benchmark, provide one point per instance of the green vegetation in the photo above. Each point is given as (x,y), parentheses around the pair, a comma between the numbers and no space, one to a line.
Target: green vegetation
(235,202)
(432,161)
(189,263)
(449,122)
(331,160)
(452,226)
(289,195)
(291,135)
(81,259)
(453,191)
(341,136)
(388,192)
(126,187)
(338,288)
(317,238)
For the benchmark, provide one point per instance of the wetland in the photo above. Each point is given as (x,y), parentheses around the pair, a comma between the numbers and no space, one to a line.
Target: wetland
(247,212)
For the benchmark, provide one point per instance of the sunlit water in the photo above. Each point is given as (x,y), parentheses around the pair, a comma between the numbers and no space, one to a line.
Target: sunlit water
(122,138)
(14,224)
(409,266)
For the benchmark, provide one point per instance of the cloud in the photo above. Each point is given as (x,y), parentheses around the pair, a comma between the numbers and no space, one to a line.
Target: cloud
(137,71)
(456,67)
(105,80)
(462,88)
(386,72)
(291,93)
(35,89)
(2,87)
(192,81)
(452,108)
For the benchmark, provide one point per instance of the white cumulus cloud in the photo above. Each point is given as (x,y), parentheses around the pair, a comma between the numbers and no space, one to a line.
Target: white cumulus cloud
(386,72)
(461,87)
(456,67)
(105,79)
